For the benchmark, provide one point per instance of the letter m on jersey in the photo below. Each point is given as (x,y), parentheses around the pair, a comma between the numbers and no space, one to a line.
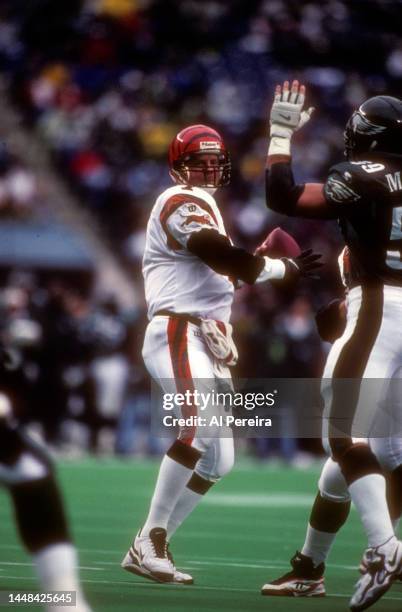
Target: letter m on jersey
(394,181)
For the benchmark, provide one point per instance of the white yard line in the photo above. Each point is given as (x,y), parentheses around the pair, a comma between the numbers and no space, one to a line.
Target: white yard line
(81,567)
(192,563)
(260,500)
(241,561)
(192,588)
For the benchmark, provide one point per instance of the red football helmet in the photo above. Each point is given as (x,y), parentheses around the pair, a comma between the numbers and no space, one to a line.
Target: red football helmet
(187,166)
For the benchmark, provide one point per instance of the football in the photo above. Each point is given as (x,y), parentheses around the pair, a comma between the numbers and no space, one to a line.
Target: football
(279,243)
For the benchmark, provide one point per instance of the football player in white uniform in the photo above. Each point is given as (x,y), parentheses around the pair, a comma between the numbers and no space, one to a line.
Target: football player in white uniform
(190,269)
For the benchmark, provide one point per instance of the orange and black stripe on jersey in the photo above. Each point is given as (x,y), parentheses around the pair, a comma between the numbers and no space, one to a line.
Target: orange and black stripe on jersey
(172,204)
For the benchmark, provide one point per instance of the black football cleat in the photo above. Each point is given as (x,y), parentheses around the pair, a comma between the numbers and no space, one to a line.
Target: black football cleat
(304,580)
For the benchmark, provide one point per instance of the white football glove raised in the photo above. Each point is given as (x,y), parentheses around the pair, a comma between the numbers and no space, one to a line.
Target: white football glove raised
(287,116)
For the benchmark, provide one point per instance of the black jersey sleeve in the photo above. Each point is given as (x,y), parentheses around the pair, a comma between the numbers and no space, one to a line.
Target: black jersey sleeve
(281,190)
(343,189)
(216,251)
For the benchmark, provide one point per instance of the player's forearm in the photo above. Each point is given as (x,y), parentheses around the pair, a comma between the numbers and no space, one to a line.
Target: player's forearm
(284,196)
(281,191)
(216,251)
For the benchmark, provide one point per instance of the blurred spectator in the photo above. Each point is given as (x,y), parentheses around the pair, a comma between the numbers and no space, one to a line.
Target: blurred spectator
(67,357)
(19,190)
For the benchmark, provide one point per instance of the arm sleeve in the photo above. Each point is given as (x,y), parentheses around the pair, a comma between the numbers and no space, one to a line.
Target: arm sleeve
(282,193)
(216,251)
(306,200)
(187,219)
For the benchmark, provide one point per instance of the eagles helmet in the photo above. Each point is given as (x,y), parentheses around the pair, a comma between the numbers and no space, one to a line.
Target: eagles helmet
(185,165)
(375,126)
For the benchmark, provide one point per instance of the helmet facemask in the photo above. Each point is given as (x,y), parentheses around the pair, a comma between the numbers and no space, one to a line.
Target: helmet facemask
(360,136)
(192,170)
(376,127)
(348,137)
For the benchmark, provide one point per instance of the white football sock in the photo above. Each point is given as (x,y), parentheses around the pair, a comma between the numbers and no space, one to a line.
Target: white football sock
(172,479)
(368,495)
(186,503)
(317,544)
(56,566)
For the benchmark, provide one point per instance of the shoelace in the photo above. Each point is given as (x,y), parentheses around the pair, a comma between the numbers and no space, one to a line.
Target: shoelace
(159,546)
(169,555)
(375,561)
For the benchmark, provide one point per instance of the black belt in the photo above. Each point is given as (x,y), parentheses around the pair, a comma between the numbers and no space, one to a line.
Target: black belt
(178,315)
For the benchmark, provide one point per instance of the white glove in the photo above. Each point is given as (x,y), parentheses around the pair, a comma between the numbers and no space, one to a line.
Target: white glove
(287,116)
(274,269)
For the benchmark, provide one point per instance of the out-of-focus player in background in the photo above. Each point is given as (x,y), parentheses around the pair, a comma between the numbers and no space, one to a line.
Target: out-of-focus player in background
(27,472)
(332,504)
(190,269)
(365,194)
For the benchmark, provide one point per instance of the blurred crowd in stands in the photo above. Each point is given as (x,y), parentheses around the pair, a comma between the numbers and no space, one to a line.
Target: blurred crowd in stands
(19,189)
(71,364)
(107,83)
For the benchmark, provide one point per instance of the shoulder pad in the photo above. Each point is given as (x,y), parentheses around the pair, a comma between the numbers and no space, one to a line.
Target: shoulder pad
(359,170)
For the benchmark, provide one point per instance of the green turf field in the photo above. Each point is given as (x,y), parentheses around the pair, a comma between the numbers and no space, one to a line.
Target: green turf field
(244,532)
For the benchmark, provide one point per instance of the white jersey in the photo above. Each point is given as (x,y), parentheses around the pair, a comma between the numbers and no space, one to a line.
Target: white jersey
(175,279)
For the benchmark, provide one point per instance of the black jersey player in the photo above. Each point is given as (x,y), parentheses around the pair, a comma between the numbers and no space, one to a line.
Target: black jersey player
(26,471)
(364,193)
